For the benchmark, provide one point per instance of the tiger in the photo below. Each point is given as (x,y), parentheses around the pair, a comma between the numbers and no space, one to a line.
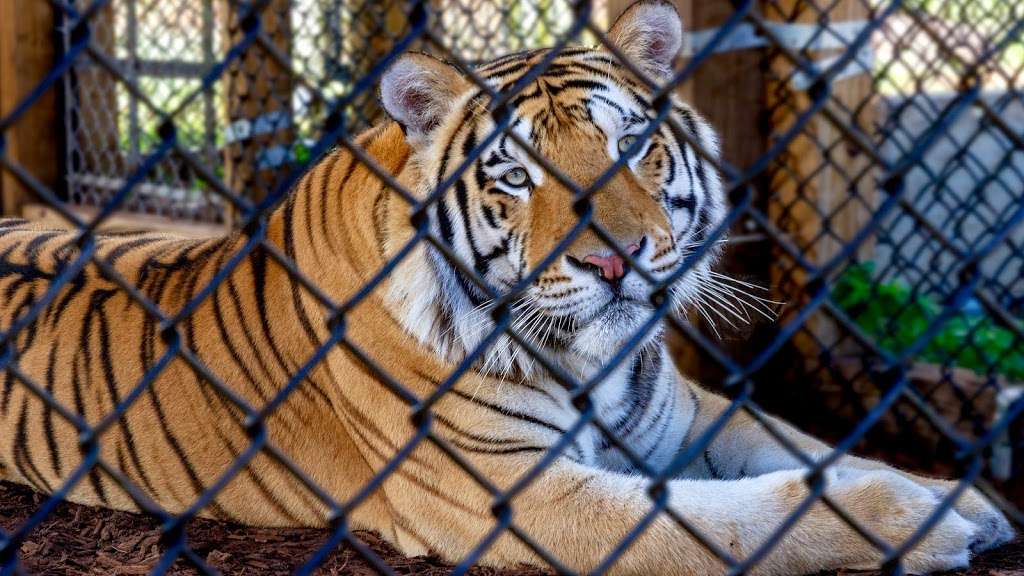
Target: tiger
(323,387)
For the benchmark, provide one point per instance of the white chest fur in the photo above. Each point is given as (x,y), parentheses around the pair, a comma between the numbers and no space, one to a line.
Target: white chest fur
(644,403)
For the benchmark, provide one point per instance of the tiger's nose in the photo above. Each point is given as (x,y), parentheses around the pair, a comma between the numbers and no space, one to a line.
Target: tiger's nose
(612,267)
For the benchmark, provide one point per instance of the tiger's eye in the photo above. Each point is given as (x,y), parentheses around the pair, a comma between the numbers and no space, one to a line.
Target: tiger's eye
(516,178)
(625,142)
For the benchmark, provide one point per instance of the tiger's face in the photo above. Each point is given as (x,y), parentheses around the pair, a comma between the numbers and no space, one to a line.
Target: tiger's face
(505,213)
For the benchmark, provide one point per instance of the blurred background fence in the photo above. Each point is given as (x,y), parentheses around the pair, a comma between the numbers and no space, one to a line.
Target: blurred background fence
(937,89)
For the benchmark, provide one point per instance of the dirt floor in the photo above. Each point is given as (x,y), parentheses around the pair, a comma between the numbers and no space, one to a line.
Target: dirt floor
(80,540)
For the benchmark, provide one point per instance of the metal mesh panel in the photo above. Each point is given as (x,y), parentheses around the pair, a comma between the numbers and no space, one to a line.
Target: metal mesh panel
(887,203)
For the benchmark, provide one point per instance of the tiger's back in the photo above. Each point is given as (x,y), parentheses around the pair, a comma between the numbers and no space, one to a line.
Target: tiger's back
(95,348)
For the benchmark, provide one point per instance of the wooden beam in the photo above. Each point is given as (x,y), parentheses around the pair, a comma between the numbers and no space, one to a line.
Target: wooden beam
(27,53)
(123,221)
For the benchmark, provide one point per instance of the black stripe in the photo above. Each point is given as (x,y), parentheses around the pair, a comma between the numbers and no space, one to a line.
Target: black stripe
(642,380)
(444,222)
(305,185)
(127,246)
(259,261)
(579,83)
(712,469)
(76,388)
(494,159)
(245,330)
(505,411)
(684,149)
(489,216)
(671,164)
(664,426)
(110,377)
(504,451)
(349,172)
(691,125)
(54,312)
(526,96)
(23,456)
(33,246)
(468,123)
(480,264)
(12,222)
(472,435)
(147,357)
(8,389)
(51,441)
(227,340)
(29,335)
(687,203)
(696,413)
(610,103)
(299,310)
(381,211)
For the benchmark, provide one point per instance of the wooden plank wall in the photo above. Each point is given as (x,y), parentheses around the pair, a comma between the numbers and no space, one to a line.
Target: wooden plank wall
(27,53)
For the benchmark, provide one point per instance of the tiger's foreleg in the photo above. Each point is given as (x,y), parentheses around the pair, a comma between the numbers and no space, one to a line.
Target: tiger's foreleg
(745,448)
(580,514)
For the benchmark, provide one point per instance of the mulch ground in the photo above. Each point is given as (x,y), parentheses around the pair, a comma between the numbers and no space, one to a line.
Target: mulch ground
(78,540)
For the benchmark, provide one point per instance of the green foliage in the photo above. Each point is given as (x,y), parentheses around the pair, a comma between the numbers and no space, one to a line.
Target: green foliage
(896,317)
(301,153)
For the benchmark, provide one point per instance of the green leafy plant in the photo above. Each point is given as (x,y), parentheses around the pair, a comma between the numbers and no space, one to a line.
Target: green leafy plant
(896,317)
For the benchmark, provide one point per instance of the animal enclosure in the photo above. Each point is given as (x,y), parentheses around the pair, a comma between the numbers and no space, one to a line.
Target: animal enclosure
(872,154)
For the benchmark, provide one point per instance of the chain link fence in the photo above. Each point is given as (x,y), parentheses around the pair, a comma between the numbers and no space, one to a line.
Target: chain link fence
(265,113)
(878,193)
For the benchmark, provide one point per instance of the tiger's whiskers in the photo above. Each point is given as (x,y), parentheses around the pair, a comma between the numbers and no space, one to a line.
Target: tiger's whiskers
(720,297)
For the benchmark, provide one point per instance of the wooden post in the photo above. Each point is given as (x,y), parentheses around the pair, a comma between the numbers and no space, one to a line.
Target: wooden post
(27,53)
(259,99)
(728,90)
(821,184)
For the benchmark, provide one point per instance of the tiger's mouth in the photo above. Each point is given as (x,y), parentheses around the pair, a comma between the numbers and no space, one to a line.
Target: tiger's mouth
(611,325)
(619,308)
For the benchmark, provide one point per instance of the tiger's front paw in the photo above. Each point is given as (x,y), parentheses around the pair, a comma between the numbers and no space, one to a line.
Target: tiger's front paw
(893,507)
(993,528)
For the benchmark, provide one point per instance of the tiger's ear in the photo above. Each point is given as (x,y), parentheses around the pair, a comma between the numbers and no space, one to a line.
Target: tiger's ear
(650,34)
(418,91)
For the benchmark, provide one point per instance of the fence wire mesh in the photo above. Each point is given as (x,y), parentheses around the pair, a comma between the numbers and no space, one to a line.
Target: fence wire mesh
(883,207)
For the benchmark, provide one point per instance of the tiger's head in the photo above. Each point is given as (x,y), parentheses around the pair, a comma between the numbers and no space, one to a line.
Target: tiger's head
(505,213)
